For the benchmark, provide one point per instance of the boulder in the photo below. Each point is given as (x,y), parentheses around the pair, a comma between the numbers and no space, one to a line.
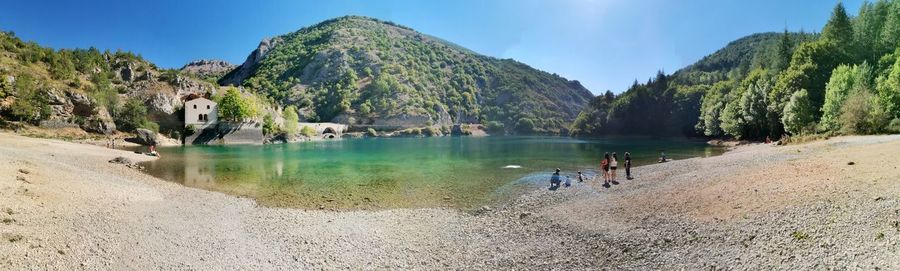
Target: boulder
(143,137)
(82,105)
(163,103)
(100,122)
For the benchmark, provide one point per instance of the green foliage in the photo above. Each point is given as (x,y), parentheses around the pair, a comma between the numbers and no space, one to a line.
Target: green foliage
(844,80)
(525,125)
(233,106)
(860,114)
(308,131)
(269,125)
(369,69)
(839,30)
(371,132)
(31,104)
(799,114)
(889,88)
(133,115)
(496,127)
(291,120)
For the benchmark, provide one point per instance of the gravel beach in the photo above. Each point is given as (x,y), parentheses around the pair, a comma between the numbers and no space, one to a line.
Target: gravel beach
(831,204)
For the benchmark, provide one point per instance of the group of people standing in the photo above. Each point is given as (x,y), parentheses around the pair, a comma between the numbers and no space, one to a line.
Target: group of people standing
(610,164)
(608,167)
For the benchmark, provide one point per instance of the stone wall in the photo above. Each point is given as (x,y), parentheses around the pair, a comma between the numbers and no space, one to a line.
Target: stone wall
(225,133)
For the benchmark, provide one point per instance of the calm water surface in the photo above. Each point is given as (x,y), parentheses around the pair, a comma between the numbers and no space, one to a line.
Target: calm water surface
(381,173)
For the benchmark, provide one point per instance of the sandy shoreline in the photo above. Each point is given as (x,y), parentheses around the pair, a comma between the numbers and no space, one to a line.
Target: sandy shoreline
(756,207)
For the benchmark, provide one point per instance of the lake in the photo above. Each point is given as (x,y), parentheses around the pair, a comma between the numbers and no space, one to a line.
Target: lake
(379,173)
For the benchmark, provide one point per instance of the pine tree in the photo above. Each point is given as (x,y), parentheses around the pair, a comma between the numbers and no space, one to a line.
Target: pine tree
(785,48)
(839,30)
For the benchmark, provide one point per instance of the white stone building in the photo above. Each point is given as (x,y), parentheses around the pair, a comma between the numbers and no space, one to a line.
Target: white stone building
(200,112)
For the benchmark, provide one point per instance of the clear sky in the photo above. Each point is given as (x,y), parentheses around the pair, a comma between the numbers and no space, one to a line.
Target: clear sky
(605,44)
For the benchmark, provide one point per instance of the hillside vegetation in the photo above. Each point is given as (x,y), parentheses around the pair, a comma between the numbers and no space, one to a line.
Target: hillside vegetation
(367,72)
(842,81)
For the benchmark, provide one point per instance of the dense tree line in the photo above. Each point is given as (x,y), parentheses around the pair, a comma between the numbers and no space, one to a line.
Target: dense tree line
(845,80)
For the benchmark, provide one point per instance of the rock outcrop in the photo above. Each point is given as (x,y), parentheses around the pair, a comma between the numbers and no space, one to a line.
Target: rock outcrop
(242,72)
(143,137)
(208,68)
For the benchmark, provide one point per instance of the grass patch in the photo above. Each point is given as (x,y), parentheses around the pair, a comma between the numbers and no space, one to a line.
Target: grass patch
(799,235)
(879,236)
(15,238)
(7,220)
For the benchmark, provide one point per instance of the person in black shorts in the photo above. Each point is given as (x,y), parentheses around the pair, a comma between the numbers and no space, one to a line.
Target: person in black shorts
(628,166)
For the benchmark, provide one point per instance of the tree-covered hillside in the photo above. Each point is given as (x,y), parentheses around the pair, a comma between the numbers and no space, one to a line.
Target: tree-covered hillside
(843,81)
(367,72)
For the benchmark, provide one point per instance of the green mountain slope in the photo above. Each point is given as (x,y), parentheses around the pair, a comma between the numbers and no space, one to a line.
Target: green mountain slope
(372,73)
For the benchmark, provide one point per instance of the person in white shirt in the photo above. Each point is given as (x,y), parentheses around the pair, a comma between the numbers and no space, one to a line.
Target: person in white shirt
(613,164)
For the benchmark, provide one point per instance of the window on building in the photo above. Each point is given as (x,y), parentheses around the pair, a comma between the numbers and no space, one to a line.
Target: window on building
(195,106)
(200,117)
(207,106)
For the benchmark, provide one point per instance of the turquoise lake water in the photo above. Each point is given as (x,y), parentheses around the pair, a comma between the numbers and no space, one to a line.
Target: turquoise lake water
(378,173)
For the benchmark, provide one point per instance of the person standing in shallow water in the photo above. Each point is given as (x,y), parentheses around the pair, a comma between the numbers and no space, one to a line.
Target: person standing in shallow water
(628,166)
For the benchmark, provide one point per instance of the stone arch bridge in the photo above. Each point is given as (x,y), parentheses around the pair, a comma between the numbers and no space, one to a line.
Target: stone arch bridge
(325,129)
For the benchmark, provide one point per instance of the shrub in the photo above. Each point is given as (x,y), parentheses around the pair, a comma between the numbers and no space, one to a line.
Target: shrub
(233,106)
(308,131)
(30,105)
(290,119)
(799,114)
(371,132)
(269,126)
(133,115)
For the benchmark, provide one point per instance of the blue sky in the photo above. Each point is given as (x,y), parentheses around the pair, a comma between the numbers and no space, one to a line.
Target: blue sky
(605,44)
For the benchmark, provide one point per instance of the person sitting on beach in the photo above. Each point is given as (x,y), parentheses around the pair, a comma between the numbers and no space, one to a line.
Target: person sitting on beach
(613,164)
(662,157)
(628,166)
(555,180)
(568,182)
(153,151)
(604,167)
(580,177)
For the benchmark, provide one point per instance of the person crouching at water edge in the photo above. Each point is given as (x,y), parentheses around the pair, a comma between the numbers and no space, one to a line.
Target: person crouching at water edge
(555,180)
(604,167)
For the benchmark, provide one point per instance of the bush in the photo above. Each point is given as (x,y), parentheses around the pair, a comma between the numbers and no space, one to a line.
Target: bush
(371,132)
(30,105)
(133,115)
(233,106)
(894,126)
(269,126)
(495,126)
(525,125)
(290,120)
(799,114)
(308,131)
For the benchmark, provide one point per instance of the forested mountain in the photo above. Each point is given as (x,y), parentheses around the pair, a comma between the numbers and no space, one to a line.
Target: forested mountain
(366,72)
(844,81)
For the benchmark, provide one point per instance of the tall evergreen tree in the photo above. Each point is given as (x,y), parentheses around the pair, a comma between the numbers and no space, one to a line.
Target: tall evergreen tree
(839,30)
(785,49)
